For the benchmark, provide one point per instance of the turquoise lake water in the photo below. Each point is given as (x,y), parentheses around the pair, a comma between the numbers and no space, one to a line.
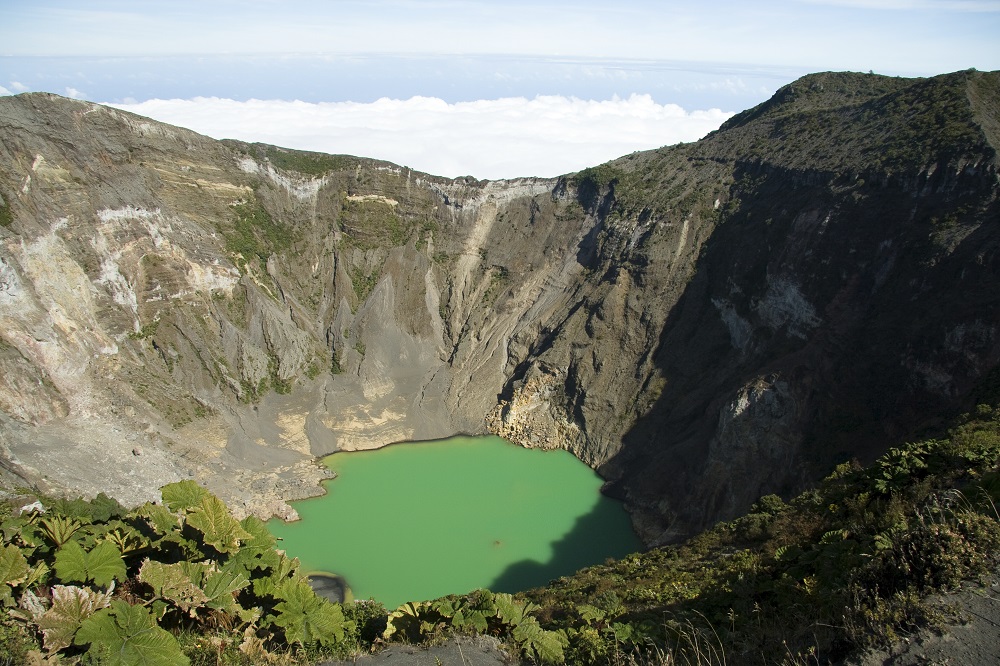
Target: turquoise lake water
(421,520)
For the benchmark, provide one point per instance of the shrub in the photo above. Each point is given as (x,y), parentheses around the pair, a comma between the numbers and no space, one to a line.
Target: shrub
(92,580)
(948,544)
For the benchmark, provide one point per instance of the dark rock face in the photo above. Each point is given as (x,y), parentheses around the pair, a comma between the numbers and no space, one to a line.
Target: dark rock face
(840,294)
(703,324)
(852,320)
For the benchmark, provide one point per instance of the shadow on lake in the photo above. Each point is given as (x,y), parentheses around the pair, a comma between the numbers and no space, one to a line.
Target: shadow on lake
(602,533)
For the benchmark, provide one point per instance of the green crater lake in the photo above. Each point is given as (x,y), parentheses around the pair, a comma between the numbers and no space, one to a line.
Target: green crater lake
(422,520)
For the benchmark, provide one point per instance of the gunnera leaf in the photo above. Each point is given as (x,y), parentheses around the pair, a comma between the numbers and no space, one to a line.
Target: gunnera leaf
(125,635)
(305,617)
(183,495)
(509,611)
(282,568)
(18,529)
(265,587)
(217,526)
(468,613)
(14,570)
(286,567)
(105,564)
(101,565)
(159,518)
(406,621)
(172,583)
(126,538)
(71,563)
(71,605)
(546,645)
(259,537)
(31,603)
(37,573)
(257,552)
(250,559)
(220,587)
(59,529)
(466,619)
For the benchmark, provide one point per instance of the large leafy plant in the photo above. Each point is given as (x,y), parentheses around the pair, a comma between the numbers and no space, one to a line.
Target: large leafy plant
(97,582)
(480,612)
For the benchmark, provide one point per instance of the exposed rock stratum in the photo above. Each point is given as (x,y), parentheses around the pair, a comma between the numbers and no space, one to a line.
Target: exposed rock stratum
(703,324)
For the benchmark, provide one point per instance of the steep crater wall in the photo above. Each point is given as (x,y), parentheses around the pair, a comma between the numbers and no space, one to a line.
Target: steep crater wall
(703,324)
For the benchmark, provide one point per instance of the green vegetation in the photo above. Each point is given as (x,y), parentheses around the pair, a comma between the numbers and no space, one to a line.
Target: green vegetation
(571,212)
(6,216)
(146,331)
(314,369)
(252,393)
(499,282)
(659,185)
(848,129)
(924,121)
(817,92)
(480,612)
(938,117)
(186,583)
(255,234)
(428,228)
(841,567)
(591,183)
(167,584)
(363,282)
(235,305)
(858,123)
(280,386)
(372,223)
(304,162)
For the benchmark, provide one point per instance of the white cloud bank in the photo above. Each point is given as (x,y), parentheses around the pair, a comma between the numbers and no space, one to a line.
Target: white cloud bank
(502,138)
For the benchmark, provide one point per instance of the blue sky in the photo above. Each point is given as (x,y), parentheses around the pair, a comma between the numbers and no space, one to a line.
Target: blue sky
(897,35)
(695,55)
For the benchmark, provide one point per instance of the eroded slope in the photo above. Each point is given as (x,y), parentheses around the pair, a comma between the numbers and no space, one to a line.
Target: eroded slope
(704,324)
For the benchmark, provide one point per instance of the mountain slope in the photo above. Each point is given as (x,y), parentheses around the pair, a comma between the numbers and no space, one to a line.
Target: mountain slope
(704,324)
(831,303)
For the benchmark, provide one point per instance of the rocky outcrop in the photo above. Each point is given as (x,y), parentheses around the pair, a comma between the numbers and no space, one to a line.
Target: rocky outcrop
(233,317)
(785,295)
(703,324)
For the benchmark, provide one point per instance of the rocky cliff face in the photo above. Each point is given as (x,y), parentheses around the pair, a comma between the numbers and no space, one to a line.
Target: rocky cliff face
(703,324)
(814,281)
